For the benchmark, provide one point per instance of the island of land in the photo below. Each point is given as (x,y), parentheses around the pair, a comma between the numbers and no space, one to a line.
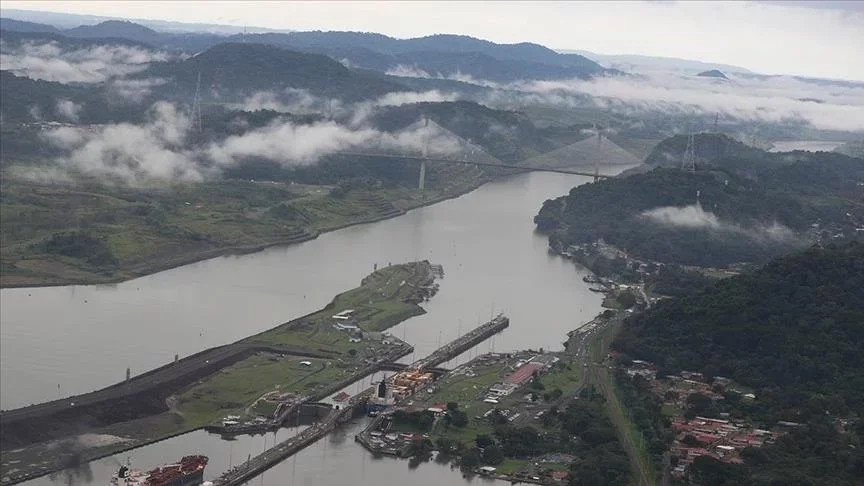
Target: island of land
(258,382)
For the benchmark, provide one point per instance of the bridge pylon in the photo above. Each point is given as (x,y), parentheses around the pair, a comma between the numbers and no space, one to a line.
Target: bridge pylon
(421,185)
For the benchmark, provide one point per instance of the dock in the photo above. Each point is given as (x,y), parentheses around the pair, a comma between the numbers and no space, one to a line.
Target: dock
(242,473)
(463,343)
(283,413)
(253,467)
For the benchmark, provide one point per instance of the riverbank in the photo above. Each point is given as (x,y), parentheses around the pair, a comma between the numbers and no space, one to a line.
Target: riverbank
(305,359)
(514,407)
(151,233)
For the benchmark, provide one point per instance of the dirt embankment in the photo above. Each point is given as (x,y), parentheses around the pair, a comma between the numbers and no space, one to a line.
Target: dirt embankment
(141,396)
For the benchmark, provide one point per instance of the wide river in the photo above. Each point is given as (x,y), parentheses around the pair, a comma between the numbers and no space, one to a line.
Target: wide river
(59,341)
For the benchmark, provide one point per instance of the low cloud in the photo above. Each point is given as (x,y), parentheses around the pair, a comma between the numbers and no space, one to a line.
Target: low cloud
(132,152)
(695,217)
(52,62)
(299,101)
(292,144)
(68,109)
(686,217)
(160,148)
(404,71)
(416,72)
(779,99)
(408,97)
(134,90)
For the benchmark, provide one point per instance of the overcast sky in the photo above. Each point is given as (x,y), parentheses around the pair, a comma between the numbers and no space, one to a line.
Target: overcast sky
(814,38)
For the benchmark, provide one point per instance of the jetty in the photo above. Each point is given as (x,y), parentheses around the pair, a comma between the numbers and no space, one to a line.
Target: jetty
(463,343)
(355,405)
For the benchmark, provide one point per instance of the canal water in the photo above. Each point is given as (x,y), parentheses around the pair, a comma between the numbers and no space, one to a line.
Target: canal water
(59,341)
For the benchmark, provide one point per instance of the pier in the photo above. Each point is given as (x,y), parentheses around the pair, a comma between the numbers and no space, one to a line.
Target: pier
(462,343)
(283,413)
(253,467)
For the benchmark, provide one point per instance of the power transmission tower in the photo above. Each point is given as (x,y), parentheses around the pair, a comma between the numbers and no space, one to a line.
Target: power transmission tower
(689,162)
(196,105)
(599,154)
(422,183)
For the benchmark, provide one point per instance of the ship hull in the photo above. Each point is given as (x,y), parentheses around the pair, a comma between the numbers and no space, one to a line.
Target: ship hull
(194,479)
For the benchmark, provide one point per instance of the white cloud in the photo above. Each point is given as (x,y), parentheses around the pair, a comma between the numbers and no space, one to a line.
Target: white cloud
(49,61)
(408,72)
(687,217)
(68,109)
(132,152)
(134,90)
(299,101)
(772,99)
(159,149)
(695,217)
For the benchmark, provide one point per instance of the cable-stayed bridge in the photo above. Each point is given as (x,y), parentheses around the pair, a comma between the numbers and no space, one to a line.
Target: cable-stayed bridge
(473,155)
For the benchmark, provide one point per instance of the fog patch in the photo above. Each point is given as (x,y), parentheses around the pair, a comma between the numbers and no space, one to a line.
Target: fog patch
(692,216)
(695,217)
(409,97)
(404,71)
(134,90)
(68,109)
(49,61)
(130,152)
(292,144)
(163,147)
(779,99)
(291,100)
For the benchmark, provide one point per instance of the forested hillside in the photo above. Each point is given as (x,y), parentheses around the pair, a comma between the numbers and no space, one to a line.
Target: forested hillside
(243,69)
(507,135)
(793,332)
(750,207)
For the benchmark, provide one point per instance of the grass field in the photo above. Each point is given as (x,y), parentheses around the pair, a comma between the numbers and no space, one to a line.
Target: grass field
(567,380)
(384,299)
(147,229)
(238,386)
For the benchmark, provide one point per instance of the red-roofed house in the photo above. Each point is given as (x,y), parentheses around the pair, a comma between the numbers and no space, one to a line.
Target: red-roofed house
(560,476)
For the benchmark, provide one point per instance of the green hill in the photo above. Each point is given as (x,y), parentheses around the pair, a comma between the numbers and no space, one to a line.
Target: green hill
(653,215)
(793,332)
(507,135)
(236,70)
(713,150)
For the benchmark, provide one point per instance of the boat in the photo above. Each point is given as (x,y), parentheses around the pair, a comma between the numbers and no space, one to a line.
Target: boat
(188,472)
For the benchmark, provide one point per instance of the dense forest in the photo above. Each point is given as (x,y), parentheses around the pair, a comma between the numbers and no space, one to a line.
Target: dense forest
(714,216)
(794,333)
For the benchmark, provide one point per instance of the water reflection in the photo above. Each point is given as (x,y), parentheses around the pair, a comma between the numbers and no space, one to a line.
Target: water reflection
(493,262)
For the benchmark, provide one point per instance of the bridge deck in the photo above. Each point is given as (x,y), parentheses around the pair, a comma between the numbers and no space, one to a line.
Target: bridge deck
(482,164)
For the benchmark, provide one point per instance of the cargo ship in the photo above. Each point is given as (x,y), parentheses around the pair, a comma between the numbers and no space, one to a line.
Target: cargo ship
(188,472)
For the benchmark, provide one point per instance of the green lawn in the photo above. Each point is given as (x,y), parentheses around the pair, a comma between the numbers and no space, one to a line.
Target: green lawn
(568,380)
(234,388)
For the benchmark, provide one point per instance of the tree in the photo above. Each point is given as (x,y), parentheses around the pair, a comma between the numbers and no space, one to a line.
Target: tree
(452,406)
(470,459)
(444,445)
(483,440)
(458,418)
(698,404)
(492,455)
